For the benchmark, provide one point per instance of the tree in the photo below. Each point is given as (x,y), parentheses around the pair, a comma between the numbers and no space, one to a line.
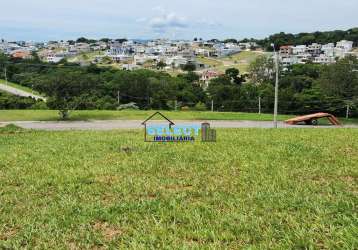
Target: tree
(82,40)
(106,40)
(234,75)
(340,79)
(189,66)
(262,69)
(121,40)
(161,65)
(231,40)
(67,89)
(190,77)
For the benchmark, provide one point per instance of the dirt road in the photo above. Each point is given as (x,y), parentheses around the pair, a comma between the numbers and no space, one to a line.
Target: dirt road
(135,124)
(19,92)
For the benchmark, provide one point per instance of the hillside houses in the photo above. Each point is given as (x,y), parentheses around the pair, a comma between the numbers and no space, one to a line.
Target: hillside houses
(316,53)
(20,49)
(173,53)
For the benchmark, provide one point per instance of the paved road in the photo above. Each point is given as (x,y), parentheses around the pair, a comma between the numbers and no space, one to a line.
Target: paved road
(19,92)
(133,124)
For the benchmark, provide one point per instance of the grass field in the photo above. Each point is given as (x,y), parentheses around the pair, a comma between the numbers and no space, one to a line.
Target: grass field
(240,61)
(51,115)
(84,115)
(85,57)
(254,188)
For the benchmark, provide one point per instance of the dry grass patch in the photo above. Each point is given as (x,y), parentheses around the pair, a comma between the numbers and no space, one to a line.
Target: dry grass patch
(109,232)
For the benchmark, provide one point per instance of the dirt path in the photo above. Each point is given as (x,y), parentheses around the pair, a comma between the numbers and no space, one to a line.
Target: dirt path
(19,92)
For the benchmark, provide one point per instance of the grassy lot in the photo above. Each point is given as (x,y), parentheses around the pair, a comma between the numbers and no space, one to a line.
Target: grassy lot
(51,115)
(18,86)
(85,57)
(264,189)
(240,61)
(210,61)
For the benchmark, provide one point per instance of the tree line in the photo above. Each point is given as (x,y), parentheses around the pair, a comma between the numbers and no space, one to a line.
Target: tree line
(304,88)
(303,38)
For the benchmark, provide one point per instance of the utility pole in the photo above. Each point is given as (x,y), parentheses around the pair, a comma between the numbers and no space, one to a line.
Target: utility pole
(347,112)
(118,97)
(259,105)
(276,88)
(5,75)
(212,105)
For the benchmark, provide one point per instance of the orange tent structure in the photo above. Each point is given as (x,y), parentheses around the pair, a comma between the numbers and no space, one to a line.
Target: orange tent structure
(312,119)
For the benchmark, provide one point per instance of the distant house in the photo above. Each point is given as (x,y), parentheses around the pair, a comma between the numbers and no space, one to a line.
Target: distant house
(248,45)
(328,49)
(286,50)
(21,54)
(342,48)
(226,49)
(323,59)
(207,76)
(130,67)
(82,47)
(299,50)
(54,58)
(314,49)
(120,58)
(176,61)
(117,48)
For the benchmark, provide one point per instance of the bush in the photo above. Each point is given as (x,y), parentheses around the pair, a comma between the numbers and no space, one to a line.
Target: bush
(200,107)
(39,105)
(130,105)
(185,108)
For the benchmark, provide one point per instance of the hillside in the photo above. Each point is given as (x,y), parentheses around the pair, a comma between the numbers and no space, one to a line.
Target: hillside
(240,61)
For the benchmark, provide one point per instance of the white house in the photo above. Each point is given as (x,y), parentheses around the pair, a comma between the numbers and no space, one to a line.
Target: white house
(176,61)
(342,48)
(323,59)
(328,49)
(299,49)
(54,58)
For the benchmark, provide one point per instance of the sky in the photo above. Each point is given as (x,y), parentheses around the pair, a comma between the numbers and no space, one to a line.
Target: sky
(42,20)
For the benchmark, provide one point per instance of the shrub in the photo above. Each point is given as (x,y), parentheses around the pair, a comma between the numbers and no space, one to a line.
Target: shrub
(185,108)
(200,107)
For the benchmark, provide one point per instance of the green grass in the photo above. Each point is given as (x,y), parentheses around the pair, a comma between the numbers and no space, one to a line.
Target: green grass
(209,61)
(240,61)
(86,56)
(254,188)
(20,87)
(52,115)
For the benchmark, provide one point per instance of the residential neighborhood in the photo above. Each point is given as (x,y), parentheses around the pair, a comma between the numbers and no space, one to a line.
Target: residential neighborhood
(316,53)
(135,54)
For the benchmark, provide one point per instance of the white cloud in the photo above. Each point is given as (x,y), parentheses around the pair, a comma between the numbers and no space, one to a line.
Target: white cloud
(168,22)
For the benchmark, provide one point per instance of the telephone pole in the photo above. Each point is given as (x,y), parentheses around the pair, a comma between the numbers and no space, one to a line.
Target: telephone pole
(5,75)
(276,88)
(259,105)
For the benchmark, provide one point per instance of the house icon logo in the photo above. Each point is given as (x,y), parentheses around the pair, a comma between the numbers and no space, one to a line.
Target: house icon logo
(168,131)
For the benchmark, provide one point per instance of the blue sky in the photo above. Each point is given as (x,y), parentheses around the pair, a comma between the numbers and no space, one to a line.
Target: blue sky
(177,19)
